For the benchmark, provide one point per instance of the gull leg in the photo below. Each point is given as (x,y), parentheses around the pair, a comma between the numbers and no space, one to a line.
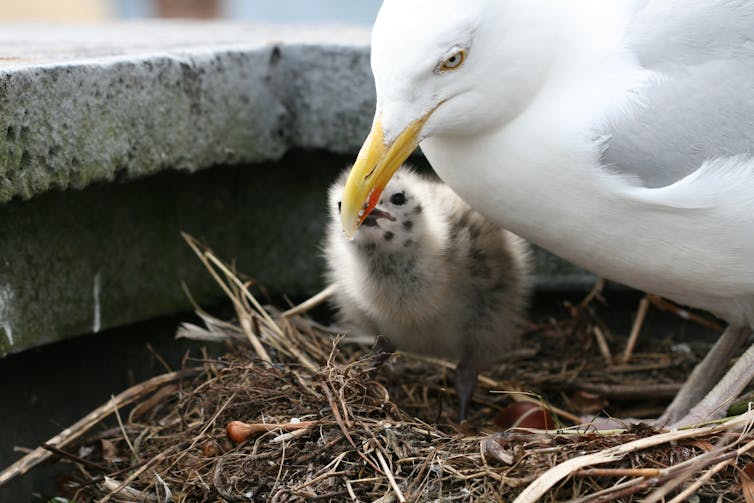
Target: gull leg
(716,402)
(465,382)
(705,375)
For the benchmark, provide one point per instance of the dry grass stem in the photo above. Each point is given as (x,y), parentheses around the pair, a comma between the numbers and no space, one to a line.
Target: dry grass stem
(641,313)
(602,345)
(310,303)
(685,314)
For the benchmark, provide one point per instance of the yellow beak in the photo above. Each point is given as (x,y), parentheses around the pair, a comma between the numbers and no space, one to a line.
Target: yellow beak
(374,166)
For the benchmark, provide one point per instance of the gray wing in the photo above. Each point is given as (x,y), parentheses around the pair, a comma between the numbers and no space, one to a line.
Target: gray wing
(702,107)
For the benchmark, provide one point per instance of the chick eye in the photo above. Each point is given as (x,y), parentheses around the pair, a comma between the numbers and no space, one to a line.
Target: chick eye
(398,198)
(453,61)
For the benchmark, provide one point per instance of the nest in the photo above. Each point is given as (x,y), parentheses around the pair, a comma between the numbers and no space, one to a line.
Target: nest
(322,419)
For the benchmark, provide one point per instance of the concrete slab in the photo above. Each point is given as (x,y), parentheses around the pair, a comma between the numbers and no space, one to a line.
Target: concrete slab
(92,103)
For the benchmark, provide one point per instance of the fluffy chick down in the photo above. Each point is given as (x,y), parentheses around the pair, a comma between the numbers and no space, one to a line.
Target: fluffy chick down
(429,274)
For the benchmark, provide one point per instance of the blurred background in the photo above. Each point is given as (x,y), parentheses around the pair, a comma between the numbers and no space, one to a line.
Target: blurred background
(347,11)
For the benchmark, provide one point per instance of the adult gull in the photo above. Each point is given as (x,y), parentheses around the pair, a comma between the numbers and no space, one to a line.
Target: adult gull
(615,134)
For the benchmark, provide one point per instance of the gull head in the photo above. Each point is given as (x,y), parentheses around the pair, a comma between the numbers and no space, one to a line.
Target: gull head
(446,68)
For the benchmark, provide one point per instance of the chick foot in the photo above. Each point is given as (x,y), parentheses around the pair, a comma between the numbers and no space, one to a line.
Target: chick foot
(465,383)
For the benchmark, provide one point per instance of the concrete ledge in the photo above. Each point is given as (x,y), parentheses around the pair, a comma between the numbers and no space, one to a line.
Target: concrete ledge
(109,255)
(81,104)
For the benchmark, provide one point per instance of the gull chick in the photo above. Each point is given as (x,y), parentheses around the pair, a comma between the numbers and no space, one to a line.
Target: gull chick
(430,276)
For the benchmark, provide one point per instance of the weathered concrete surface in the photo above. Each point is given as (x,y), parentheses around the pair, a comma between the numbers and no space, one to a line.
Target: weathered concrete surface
(82,104)
(79,262)
(83,107)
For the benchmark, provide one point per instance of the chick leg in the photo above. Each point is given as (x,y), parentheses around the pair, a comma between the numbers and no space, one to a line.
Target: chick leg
(465,382)
(705,375)
(716,402)
(383,348)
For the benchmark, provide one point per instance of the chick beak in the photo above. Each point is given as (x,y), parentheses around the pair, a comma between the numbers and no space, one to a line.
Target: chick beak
(375,165)
(371,219)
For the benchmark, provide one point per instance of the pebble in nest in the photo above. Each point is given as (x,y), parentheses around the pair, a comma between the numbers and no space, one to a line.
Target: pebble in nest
(429,276)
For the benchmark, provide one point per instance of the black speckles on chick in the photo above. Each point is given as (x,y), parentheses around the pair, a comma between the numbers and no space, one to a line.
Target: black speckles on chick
(408,224)
(418,209)
(388,236)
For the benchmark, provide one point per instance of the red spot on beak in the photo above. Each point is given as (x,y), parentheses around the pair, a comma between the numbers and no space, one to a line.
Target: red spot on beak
(371,202)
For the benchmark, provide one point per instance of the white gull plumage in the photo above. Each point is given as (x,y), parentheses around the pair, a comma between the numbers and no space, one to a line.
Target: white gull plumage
(616,134)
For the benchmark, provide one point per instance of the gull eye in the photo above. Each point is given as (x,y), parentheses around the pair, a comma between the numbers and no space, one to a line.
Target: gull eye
(453,61)
(399,198)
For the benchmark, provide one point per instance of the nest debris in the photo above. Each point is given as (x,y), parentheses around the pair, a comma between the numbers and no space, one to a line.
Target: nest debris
(385,433)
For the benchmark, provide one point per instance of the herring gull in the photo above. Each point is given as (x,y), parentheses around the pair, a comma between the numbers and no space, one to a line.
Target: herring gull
(616,134)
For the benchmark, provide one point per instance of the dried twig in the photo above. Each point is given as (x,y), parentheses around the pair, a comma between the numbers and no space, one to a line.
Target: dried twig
(685,314)
(123,485)
(310,303)
(594,293)
(641,313)
(390,477)
(618,472)
(540,486)
(632,391)
(719,459)
(602,345)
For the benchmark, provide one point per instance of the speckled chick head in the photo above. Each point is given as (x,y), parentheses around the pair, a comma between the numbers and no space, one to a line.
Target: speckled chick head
(399,219)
